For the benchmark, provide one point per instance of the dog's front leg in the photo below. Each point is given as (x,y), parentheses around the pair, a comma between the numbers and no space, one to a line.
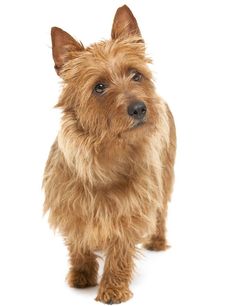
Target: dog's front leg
(119,265)
(84,267)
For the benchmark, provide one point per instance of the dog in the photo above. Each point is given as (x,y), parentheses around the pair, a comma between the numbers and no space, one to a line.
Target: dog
(110,171)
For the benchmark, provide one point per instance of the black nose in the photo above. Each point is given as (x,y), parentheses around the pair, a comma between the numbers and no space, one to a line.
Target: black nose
(137,110)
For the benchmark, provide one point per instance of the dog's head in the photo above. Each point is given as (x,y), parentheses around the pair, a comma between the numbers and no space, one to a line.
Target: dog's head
(108,85)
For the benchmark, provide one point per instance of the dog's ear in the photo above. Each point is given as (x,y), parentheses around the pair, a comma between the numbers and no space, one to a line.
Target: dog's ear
(124,23)
(64,47)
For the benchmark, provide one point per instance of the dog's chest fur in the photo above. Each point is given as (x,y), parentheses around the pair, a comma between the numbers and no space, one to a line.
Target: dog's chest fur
(109,199)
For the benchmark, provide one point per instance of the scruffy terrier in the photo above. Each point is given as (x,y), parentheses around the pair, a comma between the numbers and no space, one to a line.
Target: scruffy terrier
(109,174)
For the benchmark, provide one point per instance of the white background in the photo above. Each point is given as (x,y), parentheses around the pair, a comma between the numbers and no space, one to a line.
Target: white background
(193,46)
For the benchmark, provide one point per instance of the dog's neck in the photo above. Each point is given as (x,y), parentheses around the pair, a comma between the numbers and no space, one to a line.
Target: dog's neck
(98,160)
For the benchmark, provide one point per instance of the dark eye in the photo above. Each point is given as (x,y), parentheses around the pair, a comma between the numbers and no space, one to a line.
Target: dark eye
(99,88)
(137,76)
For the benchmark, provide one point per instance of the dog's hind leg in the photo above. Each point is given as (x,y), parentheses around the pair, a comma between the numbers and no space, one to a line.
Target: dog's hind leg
(157,242)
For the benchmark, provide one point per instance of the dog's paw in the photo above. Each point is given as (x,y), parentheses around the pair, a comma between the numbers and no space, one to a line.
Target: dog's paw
(81,279)
(111,296)
(156,245)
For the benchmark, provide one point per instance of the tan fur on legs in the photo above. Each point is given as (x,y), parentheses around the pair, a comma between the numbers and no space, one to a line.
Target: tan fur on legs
(84,268)
(114,286)
(157,241)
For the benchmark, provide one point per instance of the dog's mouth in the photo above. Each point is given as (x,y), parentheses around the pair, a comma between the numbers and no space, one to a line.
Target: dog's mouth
(142,128)
(137,124)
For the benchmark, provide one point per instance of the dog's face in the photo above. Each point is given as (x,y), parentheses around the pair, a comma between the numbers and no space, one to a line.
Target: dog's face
(108,86)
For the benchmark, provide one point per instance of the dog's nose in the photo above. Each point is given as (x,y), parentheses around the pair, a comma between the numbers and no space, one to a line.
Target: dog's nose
(137,110)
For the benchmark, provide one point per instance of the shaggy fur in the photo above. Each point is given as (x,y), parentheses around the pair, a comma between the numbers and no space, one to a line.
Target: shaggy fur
(107,181)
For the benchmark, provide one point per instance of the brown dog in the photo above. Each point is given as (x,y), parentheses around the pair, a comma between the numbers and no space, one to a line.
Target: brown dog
(109,174)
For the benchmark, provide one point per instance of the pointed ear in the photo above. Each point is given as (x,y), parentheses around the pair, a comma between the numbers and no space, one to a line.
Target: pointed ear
(63,47)
(124,23)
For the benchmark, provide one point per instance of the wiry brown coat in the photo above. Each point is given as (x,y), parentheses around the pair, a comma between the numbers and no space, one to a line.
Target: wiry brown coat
(107,183)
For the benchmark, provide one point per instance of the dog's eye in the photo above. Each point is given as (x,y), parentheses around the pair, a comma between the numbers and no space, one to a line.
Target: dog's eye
(137,76)
(99,88)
